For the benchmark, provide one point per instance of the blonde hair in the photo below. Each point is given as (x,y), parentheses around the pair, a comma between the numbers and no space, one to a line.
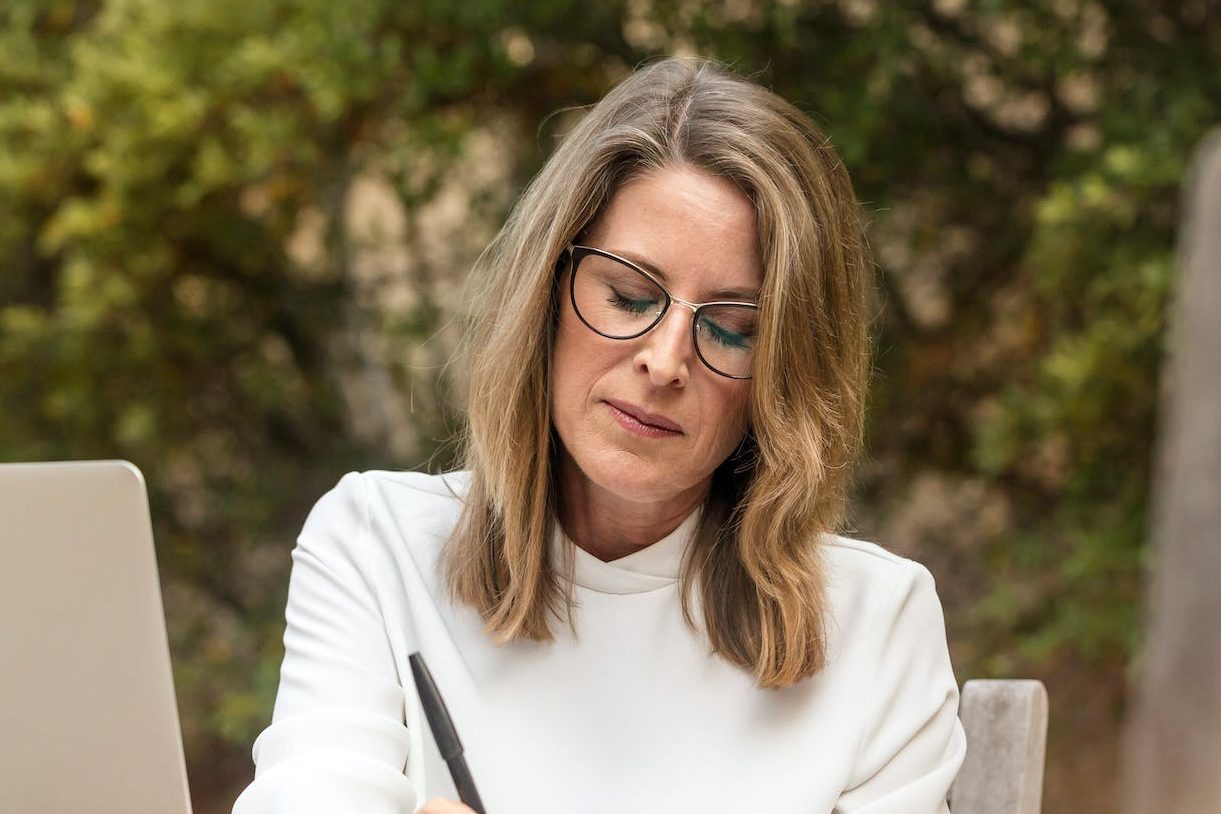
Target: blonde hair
(755,559)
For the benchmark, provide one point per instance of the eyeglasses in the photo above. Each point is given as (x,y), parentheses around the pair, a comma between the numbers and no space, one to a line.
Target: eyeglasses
(618,299)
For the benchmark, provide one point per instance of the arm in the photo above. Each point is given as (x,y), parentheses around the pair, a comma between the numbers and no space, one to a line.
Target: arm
(337,740)
(913,743)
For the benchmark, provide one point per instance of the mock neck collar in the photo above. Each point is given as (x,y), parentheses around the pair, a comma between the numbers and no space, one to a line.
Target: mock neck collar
(652,567)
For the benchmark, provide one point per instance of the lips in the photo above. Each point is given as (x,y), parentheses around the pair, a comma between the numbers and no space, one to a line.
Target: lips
(643,416)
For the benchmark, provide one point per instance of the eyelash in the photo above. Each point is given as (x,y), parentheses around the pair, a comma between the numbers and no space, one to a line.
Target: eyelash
(730,339)
(627,304)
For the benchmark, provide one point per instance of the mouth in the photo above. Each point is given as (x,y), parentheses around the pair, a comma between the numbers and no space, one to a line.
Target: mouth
(641,422)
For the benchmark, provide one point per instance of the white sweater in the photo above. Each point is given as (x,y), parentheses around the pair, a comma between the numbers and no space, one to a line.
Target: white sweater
(631,715)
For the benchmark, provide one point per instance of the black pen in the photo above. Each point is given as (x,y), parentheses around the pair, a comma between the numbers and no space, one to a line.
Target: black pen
(443,732)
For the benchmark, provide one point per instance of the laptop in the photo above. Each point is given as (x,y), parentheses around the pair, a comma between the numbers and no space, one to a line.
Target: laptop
(88,719)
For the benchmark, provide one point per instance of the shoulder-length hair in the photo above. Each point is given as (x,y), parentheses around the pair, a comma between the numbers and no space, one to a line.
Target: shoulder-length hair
(755,561)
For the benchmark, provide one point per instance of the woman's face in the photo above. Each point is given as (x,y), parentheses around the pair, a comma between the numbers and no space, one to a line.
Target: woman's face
(644,419)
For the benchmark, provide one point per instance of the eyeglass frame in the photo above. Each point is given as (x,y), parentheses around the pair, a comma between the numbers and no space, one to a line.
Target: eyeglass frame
(573,259)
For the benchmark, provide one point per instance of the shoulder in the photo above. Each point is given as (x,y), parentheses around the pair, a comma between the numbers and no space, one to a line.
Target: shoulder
(380,503)
(357,493)
(867,564)
(861,552)
(868,585)
(415,489)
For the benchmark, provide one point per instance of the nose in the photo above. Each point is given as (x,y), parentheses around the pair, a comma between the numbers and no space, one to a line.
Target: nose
(665,354)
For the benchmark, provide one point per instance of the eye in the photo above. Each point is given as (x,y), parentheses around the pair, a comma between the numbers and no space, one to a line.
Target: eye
(631,305)
(726,337)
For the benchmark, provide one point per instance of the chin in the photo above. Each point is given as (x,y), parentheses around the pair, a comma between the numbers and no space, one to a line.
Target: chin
(633,478)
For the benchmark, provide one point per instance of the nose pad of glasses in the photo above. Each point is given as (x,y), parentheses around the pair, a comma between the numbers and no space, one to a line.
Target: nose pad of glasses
(679,341)
(663,313)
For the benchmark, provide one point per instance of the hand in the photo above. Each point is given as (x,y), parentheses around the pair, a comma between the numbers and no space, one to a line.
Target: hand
(439,805)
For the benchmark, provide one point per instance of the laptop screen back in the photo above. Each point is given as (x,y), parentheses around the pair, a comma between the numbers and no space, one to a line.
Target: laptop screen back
(88,719)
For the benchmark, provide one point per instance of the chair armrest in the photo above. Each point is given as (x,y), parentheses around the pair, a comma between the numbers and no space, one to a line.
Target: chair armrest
(1006,726)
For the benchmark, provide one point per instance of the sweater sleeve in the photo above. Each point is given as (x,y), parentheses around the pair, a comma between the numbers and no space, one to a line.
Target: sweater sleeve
(337,740)
(913,743)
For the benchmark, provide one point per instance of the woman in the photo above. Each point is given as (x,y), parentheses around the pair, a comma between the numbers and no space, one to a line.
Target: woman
(633,600)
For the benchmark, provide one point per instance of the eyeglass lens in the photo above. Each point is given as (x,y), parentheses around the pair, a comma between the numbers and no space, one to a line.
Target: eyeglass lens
(617,301)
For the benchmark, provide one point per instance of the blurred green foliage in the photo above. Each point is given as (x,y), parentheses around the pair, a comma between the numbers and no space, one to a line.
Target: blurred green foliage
(1020,161)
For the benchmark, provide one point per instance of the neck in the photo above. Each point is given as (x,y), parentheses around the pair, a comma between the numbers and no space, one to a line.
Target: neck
(609,526)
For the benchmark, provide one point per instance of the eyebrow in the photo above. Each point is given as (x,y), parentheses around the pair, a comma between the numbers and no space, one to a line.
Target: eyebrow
(751,294)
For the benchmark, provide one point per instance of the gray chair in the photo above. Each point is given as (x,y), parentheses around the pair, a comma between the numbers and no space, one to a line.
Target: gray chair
(1006,726)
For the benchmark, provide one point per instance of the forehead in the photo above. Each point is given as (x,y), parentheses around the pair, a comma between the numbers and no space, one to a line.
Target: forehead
(696,230)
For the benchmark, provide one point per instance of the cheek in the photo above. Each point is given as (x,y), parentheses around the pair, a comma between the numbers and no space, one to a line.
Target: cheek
(731,414)
(578,361)
(563,372)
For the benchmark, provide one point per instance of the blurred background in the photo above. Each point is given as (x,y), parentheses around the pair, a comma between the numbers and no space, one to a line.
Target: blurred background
(234,236)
